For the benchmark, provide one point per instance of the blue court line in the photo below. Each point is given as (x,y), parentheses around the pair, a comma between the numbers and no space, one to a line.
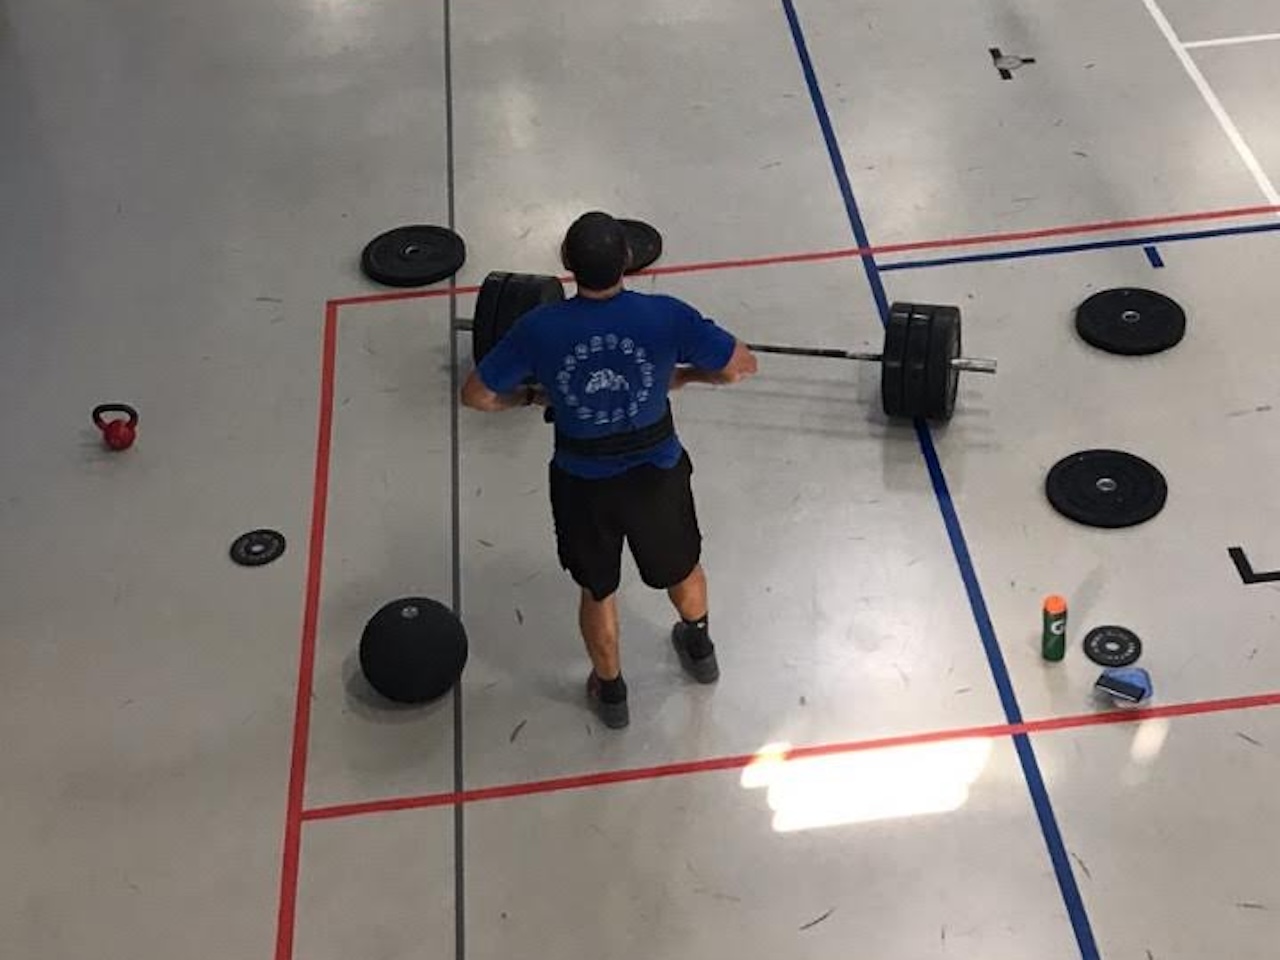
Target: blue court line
(995,658)
(1153,256)
(1080,247)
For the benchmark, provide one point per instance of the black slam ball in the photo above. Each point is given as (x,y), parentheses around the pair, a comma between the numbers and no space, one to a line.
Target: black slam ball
(413,650)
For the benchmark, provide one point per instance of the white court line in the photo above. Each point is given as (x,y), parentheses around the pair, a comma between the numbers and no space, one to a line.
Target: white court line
(1230,41)
(1229,127)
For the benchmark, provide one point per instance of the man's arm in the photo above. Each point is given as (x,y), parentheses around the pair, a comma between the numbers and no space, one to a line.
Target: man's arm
(508,367)
(742,364)
(479,397)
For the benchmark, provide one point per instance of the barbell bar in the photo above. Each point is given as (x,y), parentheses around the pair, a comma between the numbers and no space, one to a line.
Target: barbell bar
(966,364)
(920,363)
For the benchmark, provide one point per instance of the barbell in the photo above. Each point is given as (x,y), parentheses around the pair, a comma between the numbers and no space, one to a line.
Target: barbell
(921,361)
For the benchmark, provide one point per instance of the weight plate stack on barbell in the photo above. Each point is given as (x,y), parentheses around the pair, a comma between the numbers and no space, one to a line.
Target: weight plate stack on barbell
(920,373)
(503,299)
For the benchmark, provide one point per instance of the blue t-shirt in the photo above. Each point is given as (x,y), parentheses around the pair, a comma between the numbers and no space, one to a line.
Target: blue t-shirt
(606,365)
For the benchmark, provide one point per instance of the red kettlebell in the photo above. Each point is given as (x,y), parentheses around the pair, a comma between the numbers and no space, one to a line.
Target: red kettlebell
(117,434)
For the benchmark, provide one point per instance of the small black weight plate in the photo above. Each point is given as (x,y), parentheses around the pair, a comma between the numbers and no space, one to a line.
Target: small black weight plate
(941,378)
(413,650)
(1106,488)
(893,361)
(915,382)
(257,547)
(1130,321)
(413,256)
(1112,646)
(503,299)
(645,243)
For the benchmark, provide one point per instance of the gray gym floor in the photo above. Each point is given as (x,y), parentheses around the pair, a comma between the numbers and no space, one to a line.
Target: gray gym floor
(190,764)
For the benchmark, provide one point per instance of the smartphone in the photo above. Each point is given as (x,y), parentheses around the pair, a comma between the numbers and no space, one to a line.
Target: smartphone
(1121,689)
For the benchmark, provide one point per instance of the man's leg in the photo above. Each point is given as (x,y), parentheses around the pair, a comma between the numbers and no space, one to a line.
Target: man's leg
(692,636)
(689,596)
(667,545)
(590,548)
(599,622)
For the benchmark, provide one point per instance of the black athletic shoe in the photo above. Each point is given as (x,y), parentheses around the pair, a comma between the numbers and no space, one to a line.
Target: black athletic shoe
(615,716)
(697,652)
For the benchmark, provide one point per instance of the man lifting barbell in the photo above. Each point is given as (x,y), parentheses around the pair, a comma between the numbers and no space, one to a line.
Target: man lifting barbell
(609,357)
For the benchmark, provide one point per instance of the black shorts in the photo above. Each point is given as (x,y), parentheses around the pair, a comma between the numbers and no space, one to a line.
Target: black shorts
(649,507)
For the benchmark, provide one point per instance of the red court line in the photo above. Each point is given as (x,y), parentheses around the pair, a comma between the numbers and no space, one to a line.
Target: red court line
(285,921)
(739,761)
(843,253)
(968,241)
(402,295)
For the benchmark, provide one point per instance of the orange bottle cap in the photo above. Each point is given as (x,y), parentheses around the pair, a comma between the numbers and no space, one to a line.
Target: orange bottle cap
(1055,604)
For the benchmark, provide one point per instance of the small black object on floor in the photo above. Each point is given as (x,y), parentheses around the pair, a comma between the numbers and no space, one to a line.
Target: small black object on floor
(413,650)
(645,242)
(257,547)
(413,256)
(1106,488)
(1112,646)
(1131,321)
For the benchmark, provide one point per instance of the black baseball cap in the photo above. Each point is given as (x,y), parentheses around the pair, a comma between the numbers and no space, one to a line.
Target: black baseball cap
(595,250)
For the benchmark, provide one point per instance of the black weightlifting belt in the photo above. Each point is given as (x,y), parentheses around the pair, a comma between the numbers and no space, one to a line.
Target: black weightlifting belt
(620,444)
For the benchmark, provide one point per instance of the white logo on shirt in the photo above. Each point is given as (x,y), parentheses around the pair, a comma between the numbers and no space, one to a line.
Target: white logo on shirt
(608,380)
(607,396)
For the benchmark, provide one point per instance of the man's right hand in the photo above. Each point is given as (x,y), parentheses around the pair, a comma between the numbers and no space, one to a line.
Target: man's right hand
(742,364)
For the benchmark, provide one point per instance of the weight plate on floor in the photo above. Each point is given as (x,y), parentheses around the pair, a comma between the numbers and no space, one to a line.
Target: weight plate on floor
(1112,646)
(503,299)
(1130,321)
(941,378)
(645,243)
(413,256)
(257,547)
(1106,488)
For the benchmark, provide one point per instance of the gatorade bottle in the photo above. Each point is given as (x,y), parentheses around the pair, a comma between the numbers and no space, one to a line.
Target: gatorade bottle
(1053,641)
